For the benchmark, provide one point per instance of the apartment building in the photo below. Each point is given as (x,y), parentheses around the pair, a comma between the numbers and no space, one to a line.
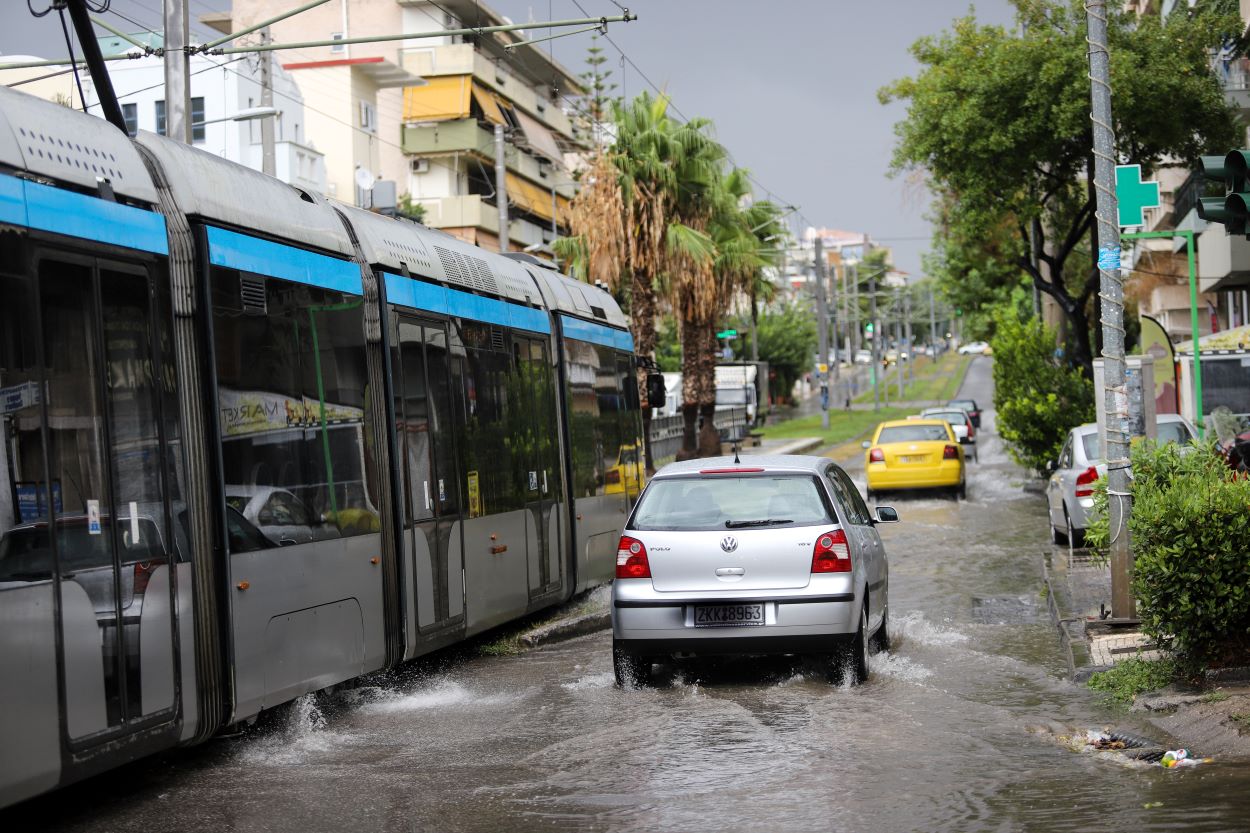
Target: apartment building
(222,92)
(422,112)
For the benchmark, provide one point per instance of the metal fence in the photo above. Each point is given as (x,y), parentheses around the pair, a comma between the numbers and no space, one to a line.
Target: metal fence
(666,432)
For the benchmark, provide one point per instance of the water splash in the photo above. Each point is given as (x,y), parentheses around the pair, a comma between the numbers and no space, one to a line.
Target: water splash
(914,627)
(445,694)
(898,667)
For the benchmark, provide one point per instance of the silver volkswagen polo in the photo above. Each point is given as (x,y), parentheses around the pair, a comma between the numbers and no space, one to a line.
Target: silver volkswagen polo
(771,555)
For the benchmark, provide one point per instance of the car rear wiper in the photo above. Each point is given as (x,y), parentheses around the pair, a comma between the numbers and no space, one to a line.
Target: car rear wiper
(760,522)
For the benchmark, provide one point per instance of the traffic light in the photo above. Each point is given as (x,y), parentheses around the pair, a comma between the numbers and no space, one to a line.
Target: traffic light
(1233,210)
(868,328)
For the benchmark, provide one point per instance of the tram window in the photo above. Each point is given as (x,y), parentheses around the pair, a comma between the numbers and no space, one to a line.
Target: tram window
(292,386)
(23,483)
(494,426)
(597,427)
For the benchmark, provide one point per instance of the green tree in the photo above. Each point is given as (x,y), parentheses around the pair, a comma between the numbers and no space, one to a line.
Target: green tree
(1037,396)
(998,122)
(787,341)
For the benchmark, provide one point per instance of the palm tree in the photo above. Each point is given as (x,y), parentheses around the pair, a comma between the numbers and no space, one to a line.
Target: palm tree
(739,235)
(629,221)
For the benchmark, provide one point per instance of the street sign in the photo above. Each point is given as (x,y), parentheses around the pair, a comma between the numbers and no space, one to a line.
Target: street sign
(727,334)
(1132,196)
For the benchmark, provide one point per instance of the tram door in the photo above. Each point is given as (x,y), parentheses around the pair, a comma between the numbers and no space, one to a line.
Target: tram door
(105,494)
(432,496)
(541,464)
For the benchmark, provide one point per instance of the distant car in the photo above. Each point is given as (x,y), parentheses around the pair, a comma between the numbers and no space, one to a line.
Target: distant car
(914,454)
(969,405)
(778,555)
(973,348)
(278,514)
(1070,489)
(961,423)
(863,357)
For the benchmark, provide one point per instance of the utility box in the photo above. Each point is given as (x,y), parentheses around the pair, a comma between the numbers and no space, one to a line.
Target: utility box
(1139,376)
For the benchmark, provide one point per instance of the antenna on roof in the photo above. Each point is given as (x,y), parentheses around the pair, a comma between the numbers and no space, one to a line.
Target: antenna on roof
(734,428)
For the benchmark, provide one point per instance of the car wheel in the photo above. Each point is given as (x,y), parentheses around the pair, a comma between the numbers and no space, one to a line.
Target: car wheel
(975,458)
(962,491)
(851,657)
(630,669)
(881,639)
(1056,537)
(869,494)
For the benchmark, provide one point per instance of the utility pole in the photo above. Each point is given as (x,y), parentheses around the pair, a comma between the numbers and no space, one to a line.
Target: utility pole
(267,163)
(822,329)
(846,320)
(898,340)
(501,188)
(932,324)
(876,338)
(858,337)
(911,348)
(177,76)
(1111,290)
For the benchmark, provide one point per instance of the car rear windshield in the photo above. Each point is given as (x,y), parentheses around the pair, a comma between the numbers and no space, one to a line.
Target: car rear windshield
(953,417)
(1092,450)
(1173,432)
(727,501)
(912,434)
(965,404)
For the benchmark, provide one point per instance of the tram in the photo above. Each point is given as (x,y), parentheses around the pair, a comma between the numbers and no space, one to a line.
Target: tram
(256,444)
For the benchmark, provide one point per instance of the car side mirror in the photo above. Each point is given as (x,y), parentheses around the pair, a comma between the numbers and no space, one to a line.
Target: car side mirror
(1051,466)
(865,445)
(887,515)
(656,392)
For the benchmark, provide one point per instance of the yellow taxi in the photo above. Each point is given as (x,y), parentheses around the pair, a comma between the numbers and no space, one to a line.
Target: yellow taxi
(627,473)
(914,454)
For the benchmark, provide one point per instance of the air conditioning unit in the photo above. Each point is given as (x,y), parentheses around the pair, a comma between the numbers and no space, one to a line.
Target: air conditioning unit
(419,166)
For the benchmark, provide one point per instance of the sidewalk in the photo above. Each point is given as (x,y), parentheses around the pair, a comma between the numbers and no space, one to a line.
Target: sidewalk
(1078,593)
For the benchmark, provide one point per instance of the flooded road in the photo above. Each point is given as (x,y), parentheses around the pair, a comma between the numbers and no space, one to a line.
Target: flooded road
(952,731)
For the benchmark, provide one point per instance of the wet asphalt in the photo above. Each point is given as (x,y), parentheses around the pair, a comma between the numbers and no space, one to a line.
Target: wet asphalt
(957,728)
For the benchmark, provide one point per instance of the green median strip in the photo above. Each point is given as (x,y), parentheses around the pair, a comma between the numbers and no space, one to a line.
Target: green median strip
(843,425)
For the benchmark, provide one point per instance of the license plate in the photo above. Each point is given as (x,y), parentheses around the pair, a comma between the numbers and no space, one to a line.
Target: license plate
(913,458)
(728,616)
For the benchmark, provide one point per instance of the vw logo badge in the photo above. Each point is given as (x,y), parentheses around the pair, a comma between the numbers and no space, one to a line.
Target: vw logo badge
(729,543)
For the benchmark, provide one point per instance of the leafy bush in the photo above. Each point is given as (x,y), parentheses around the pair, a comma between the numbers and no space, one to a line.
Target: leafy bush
(1130,677)
(1190,533)
(1038,397)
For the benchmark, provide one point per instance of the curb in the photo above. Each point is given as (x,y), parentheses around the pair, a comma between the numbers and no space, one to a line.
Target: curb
(566,629)
(797,446)
(1061,624)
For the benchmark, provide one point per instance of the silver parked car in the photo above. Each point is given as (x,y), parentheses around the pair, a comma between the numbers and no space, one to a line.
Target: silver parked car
(772,555)
(1070,490)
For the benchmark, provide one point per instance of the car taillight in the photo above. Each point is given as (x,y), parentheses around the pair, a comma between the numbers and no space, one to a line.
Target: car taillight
(951,452)
(1086,479)
(832,553)
(631,559)
(143,574)
(613,476)
(972,429)
(876,456)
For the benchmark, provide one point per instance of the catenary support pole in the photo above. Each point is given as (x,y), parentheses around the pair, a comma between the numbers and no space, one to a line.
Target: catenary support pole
(268,164)
(933,339)
(1111,293)
(95,64)
(822,329)
(177,80)
(911,347)
(501,187)
(876,339)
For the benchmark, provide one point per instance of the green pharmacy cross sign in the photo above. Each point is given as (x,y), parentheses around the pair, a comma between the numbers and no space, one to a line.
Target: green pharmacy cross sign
(1133,196)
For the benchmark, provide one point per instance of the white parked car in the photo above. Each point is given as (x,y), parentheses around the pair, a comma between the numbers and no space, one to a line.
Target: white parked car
(973,348)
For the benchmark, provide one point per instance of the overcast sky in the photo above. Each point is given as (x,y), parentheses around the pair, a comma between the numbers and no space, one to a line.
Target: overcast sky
(790,84)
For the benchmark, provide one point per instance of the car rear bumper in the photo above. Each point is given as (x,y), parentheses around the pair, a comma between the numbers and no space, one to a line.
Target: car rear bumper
(667,626)
(949,473)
